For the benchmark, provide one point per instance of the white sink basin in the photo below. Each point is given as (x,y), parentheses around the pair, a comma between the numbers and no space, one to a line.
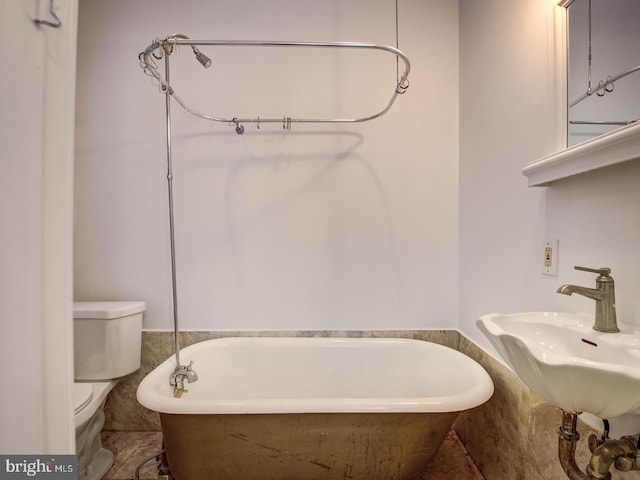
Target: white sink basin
(562,359)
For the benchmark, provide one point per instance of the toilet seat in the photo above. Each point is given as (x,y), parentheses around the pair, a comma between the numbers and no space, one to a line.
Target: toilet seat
(82,396)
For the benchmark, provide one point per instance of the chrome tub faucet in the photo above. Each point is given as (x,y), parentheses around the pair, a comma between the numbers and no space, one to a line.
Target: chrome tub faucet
(603,294)
(181,374)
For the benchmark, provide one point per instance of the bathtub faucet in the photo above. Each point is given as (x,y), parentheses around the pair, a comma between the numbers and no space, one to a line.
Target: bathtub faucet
(178,377)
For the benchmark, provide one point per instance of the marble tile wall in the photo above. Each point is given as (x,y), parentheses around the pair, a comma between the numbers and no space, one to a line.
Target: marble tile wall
(513,436)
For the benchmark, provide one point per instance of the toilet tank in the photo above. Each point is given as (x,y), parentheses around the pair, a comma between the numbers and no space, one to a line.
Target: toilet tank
(107,339)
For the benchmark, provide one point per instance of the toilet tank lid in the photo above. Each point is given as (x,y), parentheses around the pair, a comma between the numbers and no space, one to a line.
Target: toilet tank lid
(106,310)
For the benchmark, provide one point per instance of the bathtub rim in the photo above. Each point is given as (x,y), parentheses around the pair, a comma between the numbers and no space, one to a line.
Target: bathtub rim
(154,392)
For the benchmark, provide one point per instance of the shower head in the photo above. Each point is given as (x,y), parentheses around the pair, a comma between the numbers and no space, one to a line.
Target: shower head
(201,57)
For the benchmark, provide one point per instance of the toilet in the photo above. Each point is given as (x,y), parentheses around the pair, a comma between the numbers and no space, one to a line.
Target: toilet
(107,344)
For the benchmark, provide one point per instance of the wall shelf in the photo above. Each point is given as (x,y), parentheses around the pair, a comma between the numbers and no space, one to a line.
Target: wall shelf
(609,149)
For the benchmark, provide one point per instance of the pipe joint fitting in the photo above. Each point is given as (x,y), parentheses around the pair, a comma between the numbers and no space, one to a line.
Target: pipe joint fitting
(568,435)
(620,452)
(626,464)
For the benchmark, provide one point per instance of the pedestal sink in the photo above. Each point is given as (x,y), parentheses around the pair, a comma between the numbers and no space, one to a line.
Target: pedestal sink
(563,360)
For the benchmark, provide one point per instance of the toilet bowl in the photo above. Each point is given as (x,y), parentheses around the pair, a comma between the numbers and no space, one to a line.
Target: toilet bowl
(93,459)
(107,345)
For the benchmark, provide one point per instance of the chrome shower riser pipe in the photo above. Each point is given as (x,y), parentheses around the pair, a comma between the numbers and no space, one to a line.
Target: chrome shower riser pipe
(174,288)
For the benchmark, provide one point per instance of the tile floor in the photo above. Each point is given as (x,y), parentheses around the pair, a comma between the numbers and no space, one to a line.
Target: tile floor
(452,462)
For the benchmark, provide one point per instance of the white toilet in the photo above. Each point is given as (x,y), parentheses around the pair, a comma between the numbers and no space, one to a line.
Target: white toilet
(107,343)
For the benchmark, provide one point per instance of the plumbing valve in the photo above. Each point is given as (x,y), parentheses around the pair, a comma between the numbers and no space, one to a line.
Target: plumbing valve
(178,377)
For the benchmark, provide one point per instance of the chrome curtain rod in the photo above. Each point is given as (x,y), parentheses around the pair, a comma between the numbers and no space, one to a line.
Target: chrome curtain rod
(602,122)
(604,86)
(164,47)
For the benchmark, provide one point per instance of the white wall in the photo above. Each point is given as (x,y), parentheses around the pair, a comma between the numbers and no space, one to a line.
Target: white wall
(274,232)
(36,134)
(506,108)
(339,227)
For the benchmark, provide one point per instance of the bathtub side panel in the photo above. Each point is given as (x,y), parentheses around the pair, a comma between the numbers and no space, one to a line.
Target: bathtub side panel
(386,446)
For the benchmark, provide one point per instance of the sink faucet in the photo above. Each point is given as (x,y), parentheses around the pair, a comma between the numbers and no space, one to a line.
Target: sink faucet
(603,294)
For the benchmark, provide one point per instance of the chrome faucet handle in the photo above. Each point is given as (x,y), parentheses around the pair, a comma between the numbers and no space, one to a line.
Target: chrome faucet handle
(604,271)
(182,373)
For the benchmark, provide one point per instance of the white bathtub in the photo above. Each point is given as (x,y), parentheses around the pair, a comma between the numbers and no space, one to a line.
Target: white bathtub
(335,399)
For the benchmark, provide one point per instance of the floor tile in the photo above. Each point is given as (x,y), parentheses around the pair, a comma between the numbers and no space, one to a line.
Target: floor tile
(452,462)
(130,450)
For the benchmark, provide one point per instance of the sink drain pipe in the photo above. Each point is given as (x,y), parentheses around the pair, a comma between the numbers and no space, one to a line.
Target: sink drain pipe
(622,452)
(567,440)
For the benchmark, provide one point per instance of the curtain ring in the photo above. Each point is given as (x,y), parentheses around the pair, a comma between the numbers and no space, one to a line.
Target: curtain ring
(608,86)
(239,128)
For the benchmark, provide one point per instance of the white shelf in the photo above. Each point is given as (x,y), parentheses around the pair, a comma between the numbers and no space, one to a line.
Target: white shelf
(611,148)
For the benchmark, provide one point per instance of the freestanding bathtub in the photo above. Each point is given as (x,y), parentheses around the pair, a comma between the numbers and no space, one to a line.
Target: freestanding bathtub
(312,408)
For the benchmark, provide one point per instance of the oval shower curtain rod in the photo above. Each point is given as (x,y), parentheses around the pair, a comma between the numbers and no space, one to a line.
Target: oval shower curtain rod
(164,47)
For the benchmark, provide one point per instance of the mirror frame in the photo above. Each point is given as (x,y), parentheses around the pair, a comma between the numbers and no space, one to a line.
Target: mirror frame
(614,147)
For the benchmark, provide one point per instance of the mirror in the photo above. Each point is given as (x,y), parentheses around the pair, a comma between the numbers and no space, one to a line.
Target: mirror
(603,67)
(584,142)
